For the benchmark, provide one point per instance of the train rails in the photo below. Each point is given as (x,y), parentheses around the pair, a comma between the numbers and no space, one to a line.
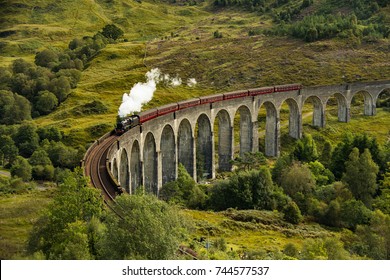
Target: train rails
(95,167)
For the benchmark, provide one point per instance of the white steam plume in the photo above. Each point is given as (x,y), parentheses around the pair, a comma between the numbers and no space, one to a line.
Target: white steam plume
(142,93)
(191,82)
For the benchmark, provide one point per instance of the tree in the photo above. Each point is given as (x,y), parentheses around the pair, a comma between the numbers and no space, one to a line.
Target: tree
(326,155)
(5,78)
(8,150)
(297,179)
(62,232)
(183,191)
(340,154)
(14,108)
(49,133)
(249,161)
(45,102)
(291,212)
(42,168)
(21,168)
(47,58)
(61,155)
(306,149)
(26,139)
(331,216)
(146,228)
(60,87)
(382,202)
(73,75)
(23,85)
(74,243)
(313,249)
(335,249)
(39,157)
(360,175)
(282,163)
(344,149)
(111,31)
(354,212)
(21,66)
(244,190)
(322,175)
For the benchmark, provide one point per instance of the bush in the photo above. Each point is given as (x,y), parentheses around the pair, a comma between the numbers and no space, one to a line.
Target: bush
(292,214)
(184,191)
(244,190)
(21,168)
(217,34)
(291,250)
(112,31)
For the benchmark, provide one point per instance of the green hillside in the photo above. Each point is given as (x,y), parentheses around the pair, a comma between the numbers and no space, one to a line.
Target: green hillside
(224,45)
(178,38)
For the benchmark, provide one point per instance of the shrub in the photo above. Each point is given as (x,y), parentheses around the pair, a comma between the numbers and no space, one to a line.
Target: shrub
(292,214)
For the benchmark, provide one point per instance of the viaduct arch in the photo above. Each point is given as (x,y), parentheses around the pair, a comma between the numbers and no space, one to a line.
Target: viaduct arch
(149,155)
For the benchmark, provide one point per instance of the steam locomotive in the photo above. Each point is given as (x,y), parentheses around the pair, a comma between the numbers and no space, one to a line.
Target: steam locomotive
(127,123)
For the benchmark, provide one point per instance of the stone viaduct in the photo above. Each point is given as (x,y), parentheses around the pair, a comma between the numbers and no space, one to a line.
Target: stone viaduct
(148,155)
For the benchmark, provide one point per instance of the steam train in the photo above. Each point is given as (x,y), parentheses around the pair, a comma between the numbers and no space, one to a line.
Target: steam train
(127,123)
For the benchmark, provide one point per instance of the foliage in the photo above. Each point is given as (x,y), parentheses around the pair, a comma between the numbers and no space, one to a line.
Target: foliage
(21,168)
(111,31)
(329,248)
(249,161)
(183,191)
(345,147)
(45,102)
(283,162)
(62,155)
(26,139)
(61,233)
(47,58)
(147,228)
(306,149)
(291,212)
(15,186)
(244,190)
(50,133)
(322,175)
(291,250)
(354,212)
(360,175)
(42,168)
(371,240)
(326,154)
(8,150)
(382,201)
(297,179)
(13,108)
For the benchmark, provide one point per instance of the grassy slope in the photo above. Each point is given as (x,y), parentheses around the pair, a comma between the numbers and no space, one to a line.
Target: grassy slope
(17,215)
(265,231)
(233,62)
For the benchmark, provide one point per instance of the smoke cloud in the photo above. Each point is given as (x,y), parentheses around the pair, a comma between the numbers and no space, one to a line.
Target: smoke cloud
(142,93)
(191,82)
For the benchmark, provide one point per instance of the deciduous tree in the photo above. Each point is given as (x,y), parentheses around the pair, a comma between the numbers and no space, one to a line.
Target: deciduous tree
(360,175)
(146,228)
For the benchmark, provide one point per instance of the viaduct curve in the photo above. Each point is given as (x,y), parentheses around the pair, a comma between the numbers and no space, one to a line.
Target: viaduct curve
(148,155)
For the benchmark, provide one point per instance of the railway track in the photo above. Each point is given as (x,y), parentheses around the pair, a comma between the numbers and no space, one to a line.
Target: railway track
(94,164)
